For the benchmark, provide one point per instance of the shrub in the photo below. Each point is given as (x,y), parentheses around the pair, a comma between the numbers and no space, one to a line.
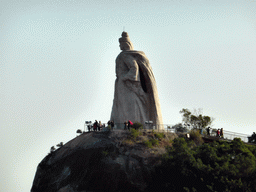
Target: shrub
(159,135)
(60,144)
(216,166)
(137,126)
(196,136)
(152,142)
(79,131)
(135,133)
(166,143)
(148,143)
(128,142)
(105,153)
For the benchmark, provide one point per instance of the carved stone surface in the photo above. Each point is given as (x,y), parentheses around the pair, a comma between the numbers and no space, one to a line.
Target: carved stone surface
(97,161)
(136,96)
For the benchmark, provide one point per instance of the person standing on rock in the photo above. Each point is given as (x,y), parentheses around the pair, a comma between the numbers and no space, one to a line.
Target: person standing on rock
(218,133)
(89,128)
(112,125)
(99,125)
(221,133)
(125,125)
(95,125)
(129,125)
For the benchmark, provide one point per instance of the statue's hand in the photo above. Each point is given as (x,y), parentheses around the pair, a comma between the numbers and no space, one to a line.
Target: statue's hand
(133,85)
(129,78)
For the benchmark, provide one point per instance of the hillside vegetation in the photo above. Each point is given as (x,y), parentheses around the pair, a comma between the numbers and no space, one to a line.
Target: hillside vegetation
(192,165)
(217,166)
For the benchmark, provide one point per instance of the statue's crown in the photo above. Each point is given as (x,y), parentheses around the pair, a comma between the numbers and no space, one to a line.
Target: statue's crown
(125,37)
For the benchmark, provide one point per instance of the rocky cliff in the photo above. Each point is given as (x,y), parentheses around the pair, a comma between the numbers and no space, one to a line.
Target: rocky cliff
(97,161)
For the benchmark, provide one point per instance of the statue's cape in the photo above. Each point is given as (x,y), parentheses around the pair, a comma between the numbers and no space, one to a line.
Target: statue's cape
(148,83)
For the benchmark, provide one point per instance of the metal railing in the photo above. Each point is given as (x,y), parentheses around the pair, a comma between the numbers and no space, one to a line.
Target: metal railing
(229,135)
(168,128)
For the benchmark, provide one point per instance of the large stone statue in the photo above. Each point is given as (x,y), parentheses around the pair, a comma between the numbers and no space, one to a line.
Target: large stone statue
(136,96)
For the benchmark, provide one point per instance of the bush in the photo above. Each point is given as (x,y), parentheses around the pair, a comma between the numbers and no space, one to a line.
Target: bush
(128,142)
(196,137)
(217,166)
(135,133)
(148,143)
(159,135)
(137,126)
(152,142)
(105,153)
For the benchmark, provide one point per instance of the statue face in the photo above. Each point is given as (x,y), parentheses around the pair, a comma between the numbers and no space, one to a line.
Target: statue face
(124,46)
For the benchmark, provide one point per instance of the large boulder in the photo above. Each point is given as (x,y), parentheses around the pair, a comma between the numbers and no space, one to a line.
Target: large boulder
(96,161)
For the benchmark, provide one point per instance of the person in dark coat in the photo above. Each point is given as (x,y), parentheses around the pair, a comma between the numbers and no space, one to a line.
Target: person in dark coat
(218,133)
(95,125)
(129,125)
(89,127)
(125,125)
(221,133)
(208,131)
(112,124)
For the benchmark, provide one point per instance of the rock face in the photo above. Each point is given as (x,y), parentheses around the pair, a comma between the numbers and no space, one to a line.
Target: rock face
(136,96)
(96,161)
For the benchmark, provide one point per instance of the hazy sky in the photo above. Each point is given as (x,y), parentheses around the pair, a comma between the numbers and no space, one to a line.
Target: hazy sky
(57,68)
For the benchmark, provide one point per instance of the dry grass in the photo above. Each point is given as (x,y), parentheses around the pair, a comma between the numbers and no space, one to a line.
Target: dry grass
(128,142)
(142,139)
(159,150)
(125,138)
(171,136)
(165,143)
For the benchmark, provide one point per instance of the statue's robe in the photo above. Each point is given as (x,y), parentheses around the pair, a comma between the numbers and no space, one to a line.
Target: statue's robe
(136,96)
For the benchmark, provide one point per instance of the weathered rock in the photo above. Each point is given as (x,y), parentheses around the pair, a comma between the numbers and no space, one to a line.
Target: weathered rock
(96,161)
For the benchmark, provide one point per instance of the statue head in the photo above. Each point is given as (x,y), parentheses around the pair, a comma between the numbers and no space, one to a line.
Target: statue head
(125,42)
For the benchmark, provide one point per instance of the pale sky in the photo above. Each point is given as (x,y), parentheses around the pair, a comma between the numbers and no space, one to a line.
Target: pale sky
(57,68)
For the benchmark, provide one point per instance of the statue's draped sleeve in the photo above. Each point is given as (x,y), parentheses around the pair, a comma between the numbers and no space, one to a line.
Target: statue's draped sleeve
(133,73)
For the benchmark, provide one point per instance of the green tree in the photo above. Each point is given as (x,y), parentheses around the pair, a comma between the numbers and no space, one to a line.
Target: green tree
(217,166)
(195,120)
(180,128)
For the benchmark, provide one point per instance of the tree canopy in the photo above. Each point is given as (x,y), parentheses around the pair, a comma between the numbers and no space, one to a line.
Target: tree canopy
(218,166)
(195,120)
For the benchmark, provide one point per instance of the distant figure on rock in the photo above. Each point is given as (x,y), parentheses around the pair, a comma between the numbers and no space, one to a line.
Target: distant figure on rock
(218,133)
(95,125)
(208,131)
(221,133)
(125,125)
(136,96)
(129,125)
(112,124)
(99,125)
(89,127)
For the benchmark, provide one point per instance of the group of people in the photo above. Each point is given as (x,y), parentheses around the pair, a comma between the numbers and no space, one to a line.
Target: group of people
(111,124)
(97,126)
(219,132)
(127,125)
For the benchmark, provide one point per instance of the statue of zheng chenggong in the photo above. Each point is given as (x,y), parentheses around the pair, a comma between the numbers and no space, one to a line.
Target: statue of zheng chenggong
(136,96)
